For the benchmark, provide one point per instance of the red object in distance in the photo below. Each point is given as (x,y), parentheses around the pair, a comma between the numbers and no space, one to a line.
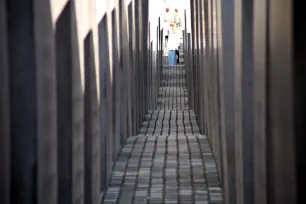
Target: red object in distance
(167,10)
(176,10)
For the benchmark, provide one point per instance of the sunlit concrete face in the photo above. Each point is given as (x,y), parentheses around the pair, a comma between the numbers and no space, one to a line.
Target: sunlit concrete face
(66,83)
(57,7)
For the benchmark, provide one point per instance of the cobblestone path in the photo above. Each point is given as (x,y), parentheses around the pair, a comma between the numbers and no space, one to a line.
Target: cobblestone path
(169,161)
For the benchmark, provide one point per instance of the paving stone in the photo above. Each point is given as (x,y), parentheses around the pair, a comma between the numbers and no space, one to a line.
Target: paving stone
(169,161)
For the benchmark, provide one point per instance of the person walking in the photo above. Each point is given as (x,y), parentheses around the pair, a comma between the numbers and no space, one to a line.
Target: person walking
(172,50)
(173,47)
(177,53)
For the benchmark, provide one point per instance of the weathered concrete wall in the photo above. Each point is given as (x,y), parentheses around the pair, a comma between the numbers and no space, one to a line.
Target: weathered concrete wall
(246,64)
(4,110)
(72,90)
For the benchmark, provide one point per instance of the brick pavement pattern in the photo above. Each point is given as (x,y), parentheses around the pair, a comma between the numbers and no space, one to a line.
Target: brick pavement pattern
(169,161)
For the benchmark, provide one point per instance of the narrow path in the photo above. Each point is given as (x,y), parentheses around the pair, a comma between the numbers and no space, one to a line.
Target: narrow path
(169,161)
